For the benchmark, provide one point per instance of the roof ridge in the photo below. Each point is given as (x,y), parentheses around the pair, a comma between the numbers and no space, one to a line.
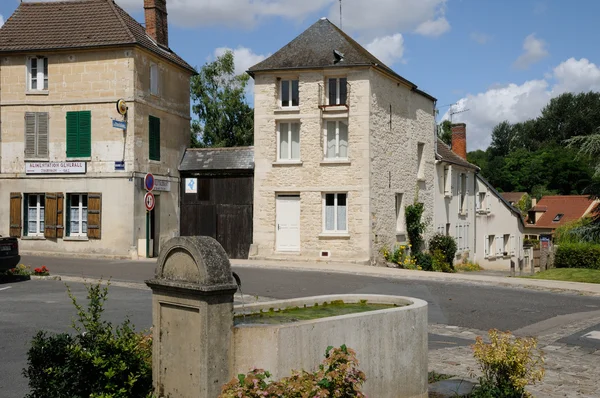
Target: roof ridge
(114,6)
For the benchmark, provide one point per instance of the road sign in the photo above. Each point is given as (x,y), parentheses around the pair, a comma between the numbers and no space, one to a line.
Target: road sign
(119,124)
(149,201)
(149,182)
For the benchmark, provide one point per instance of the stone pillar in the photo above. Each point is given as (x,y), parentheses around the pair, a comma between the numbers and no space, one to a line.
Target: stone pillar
(192,317)
(512,268)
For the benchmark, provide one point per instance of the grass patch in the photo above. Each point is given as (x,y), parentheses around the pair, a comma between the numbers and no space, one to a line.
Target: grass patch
(434,377)
(569,275)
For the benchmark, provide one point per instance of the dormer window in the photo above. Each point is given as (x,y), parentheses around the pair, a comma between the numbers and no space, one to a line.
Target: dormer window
(37,74)
(558,217)
(337,91)
(289,94)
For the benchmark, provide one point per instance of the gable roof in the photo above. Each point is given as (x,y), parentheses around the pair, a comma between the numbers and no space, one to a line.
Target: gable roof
(77,24)
(314,48)
(510,207)
(216,159)
(572,207)
(513,196)
(445,154)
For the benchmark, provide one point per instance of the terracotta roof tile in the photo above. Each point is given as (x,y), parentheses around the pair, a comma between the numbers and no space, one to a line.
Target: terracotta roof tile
(76,24)
(572,208)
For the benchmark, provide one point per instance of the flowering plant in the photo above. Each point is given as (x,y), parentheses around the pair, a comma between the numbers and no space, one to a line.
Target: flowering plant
(20,269)
(43,271)
(400,255)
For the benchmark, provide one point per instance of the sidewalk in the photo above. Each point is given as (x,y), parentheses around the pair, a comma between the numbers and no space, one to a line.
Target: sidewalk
(591,289)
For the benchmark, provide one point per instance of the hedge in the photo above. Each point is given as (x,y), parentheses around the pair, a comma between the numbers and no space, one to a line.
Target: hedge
(578,255)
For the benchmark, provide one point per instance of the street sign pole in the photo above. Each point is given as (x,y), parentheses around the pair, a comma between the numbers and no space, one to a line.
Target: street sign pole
(147,234)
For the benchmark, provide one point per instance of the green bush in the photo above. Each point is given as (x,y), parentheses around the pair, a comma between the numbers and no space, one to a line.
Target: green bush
(577,255)
(446,244)
(424,260)
(439,263)
(414,226)
(99,361)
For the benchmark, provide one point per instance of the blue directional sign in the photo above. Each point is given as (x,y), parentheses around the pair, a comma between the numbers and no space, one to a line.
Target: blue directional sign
(120,165)
(120,124)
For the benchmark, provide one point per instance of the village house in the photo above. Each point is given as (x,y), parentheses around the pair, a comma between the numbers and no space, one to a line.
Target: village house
(71,165)
(554,211)
(342,144)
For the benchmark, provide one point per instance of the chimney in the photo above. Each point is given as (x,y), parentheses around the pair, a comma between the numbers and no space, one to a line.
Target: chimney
(533,202)
(156,21)
(459,140)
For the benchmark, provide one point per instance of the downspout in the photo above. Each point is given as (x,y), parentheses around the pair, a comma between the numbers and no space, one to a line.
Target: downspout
(435,133)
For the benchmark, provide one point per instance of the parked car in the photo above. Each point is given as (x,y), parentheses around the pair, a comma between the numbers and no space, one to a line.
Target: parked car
(9,253)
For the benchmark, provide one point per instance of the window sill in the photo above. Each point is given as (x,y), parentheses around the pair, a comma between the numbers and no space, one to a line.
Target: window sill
(336,162)
(37,92)
(284,163)
(334,235)
(335,108)
(152,161)
(421,179)
(37,160)
(76,238)
(400,233)
(76,159)
(33,237)
(295,109)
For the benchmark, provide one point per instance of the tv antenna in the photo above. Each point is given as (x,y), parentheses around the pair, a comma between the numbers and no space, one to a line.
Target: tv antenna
(452,113)
(340,14)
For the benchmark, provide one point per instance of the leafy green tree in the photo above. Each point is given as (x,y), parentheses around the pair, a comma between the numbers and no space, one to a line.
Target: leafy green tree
(224,118)
(501,139)
(445,132)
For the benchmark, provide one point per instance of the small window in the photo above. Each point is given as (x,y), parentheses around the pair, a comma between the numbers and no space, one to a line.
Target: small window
(35,214)
(289,95)
(37,74)
(337,91)
(558,217)
(154,138)
(400,213)
(336,139)
(36,135)
(491,245)
(154,79)
(335,212)
(420,160)
(78,214)
(463,193)
(506,241)
(448,181)
(288,145)
(481,205)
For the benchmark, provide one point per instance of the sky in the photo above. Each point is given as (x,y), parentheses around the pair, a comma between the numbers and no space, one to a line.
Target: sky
(494,60)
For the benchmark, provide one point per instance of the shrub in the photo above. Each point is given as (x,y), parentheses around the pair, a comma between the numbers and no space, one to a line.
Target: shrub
(508,365)
(439,263)
(414,226)
(567,233)
(577,255)
(20,269)
(400,255)
(446,244)
(99,361)
(338,376)
(43,271)
(424,260)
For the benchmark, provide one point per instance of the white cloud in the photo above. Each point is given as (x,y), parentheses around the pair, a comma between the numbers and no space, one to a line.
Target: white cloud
(243,58)
(1,20)
(535,50)
(480,38)
(433,28)
(517,103)
(388,49)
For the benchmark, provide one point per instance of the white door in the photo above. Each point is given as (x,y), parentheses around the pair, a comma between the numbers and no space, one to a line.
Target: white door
(288,223)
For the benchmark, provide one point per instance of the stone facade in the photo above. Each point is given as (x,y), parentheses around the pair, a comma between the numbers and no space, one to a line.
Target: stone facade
(364,176)
(93,80)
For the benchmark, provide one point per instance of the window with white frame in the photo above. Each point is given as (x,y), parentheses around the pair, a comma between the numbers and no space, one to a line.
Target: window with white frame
(462,237)
(337,91)
(420,160)
(481,201)
(35,214)
(400,213)
(336,139)
(448,181)
(507,243)
(153,79)
(490,246)
(288,141)
(462,192)
(78,214)
(335,212)
(37,73)
(289,94)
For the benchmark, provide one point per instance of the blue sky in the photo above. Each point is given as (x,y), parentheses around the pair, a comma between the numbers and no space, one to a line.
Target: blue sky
(502,60)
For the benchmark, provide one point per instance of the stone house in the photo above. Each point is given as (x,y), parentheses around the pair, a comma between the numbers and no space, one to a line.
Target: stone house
(342,144)
(71,166)
(554,211)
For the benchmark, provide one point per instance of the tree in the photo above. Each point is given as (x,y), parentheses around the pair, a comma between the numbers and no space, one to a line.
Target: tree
(224,117)
(445,132)
(501,139)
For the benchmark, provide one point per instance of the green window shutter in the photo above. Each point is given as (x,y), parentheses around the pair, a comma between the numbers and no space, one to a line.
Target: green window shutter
(154,138)
(73,134)
(85,134)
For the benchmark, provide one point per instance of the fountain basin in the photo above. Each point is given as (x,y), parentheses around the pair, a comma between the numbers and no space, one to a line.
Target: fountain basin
(390,343)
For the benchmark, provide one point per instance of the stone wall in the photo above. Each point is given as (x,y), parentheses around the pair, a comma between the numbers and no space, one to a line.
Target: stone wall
(394,139)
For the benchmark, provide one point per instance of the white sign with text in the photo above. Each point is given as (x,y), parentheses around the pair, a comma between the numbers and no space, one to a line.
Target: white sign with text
(162,185)
(55,167)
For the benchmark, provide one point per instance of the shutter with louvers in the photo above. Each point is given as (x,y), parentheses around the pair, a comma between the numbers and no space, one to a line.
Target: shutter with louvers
(50,216)
(60,215)
(73,134)
(42,135)
(512,245)
(85,134)
(30,139)
(154,138)
(15,214)
(486,245)
(94,215)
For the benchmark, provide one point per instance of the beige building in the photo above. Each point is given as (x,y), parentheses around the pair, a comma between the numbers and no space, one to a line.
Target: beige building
(342,144)
(71,166)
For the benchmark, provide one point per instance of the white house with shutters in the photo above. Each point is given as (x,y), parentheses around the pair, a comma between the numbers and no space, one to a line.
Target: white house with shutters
(71,166)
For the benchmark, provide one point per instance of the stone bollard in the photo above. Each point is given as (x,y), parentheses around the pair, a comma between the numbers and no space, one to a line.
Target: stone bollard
(192,318)
(520,267)
(512,268)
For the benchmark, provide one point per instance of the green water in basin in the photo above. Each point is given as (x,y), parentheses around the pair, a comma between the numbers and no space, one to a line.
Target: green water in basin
(316,311)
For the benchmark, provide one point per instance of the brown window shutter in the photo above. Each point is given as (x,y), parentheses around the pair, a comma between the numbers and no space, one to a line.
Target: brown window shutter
(94,215)
(15,214)
(50,214)
(60,217)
